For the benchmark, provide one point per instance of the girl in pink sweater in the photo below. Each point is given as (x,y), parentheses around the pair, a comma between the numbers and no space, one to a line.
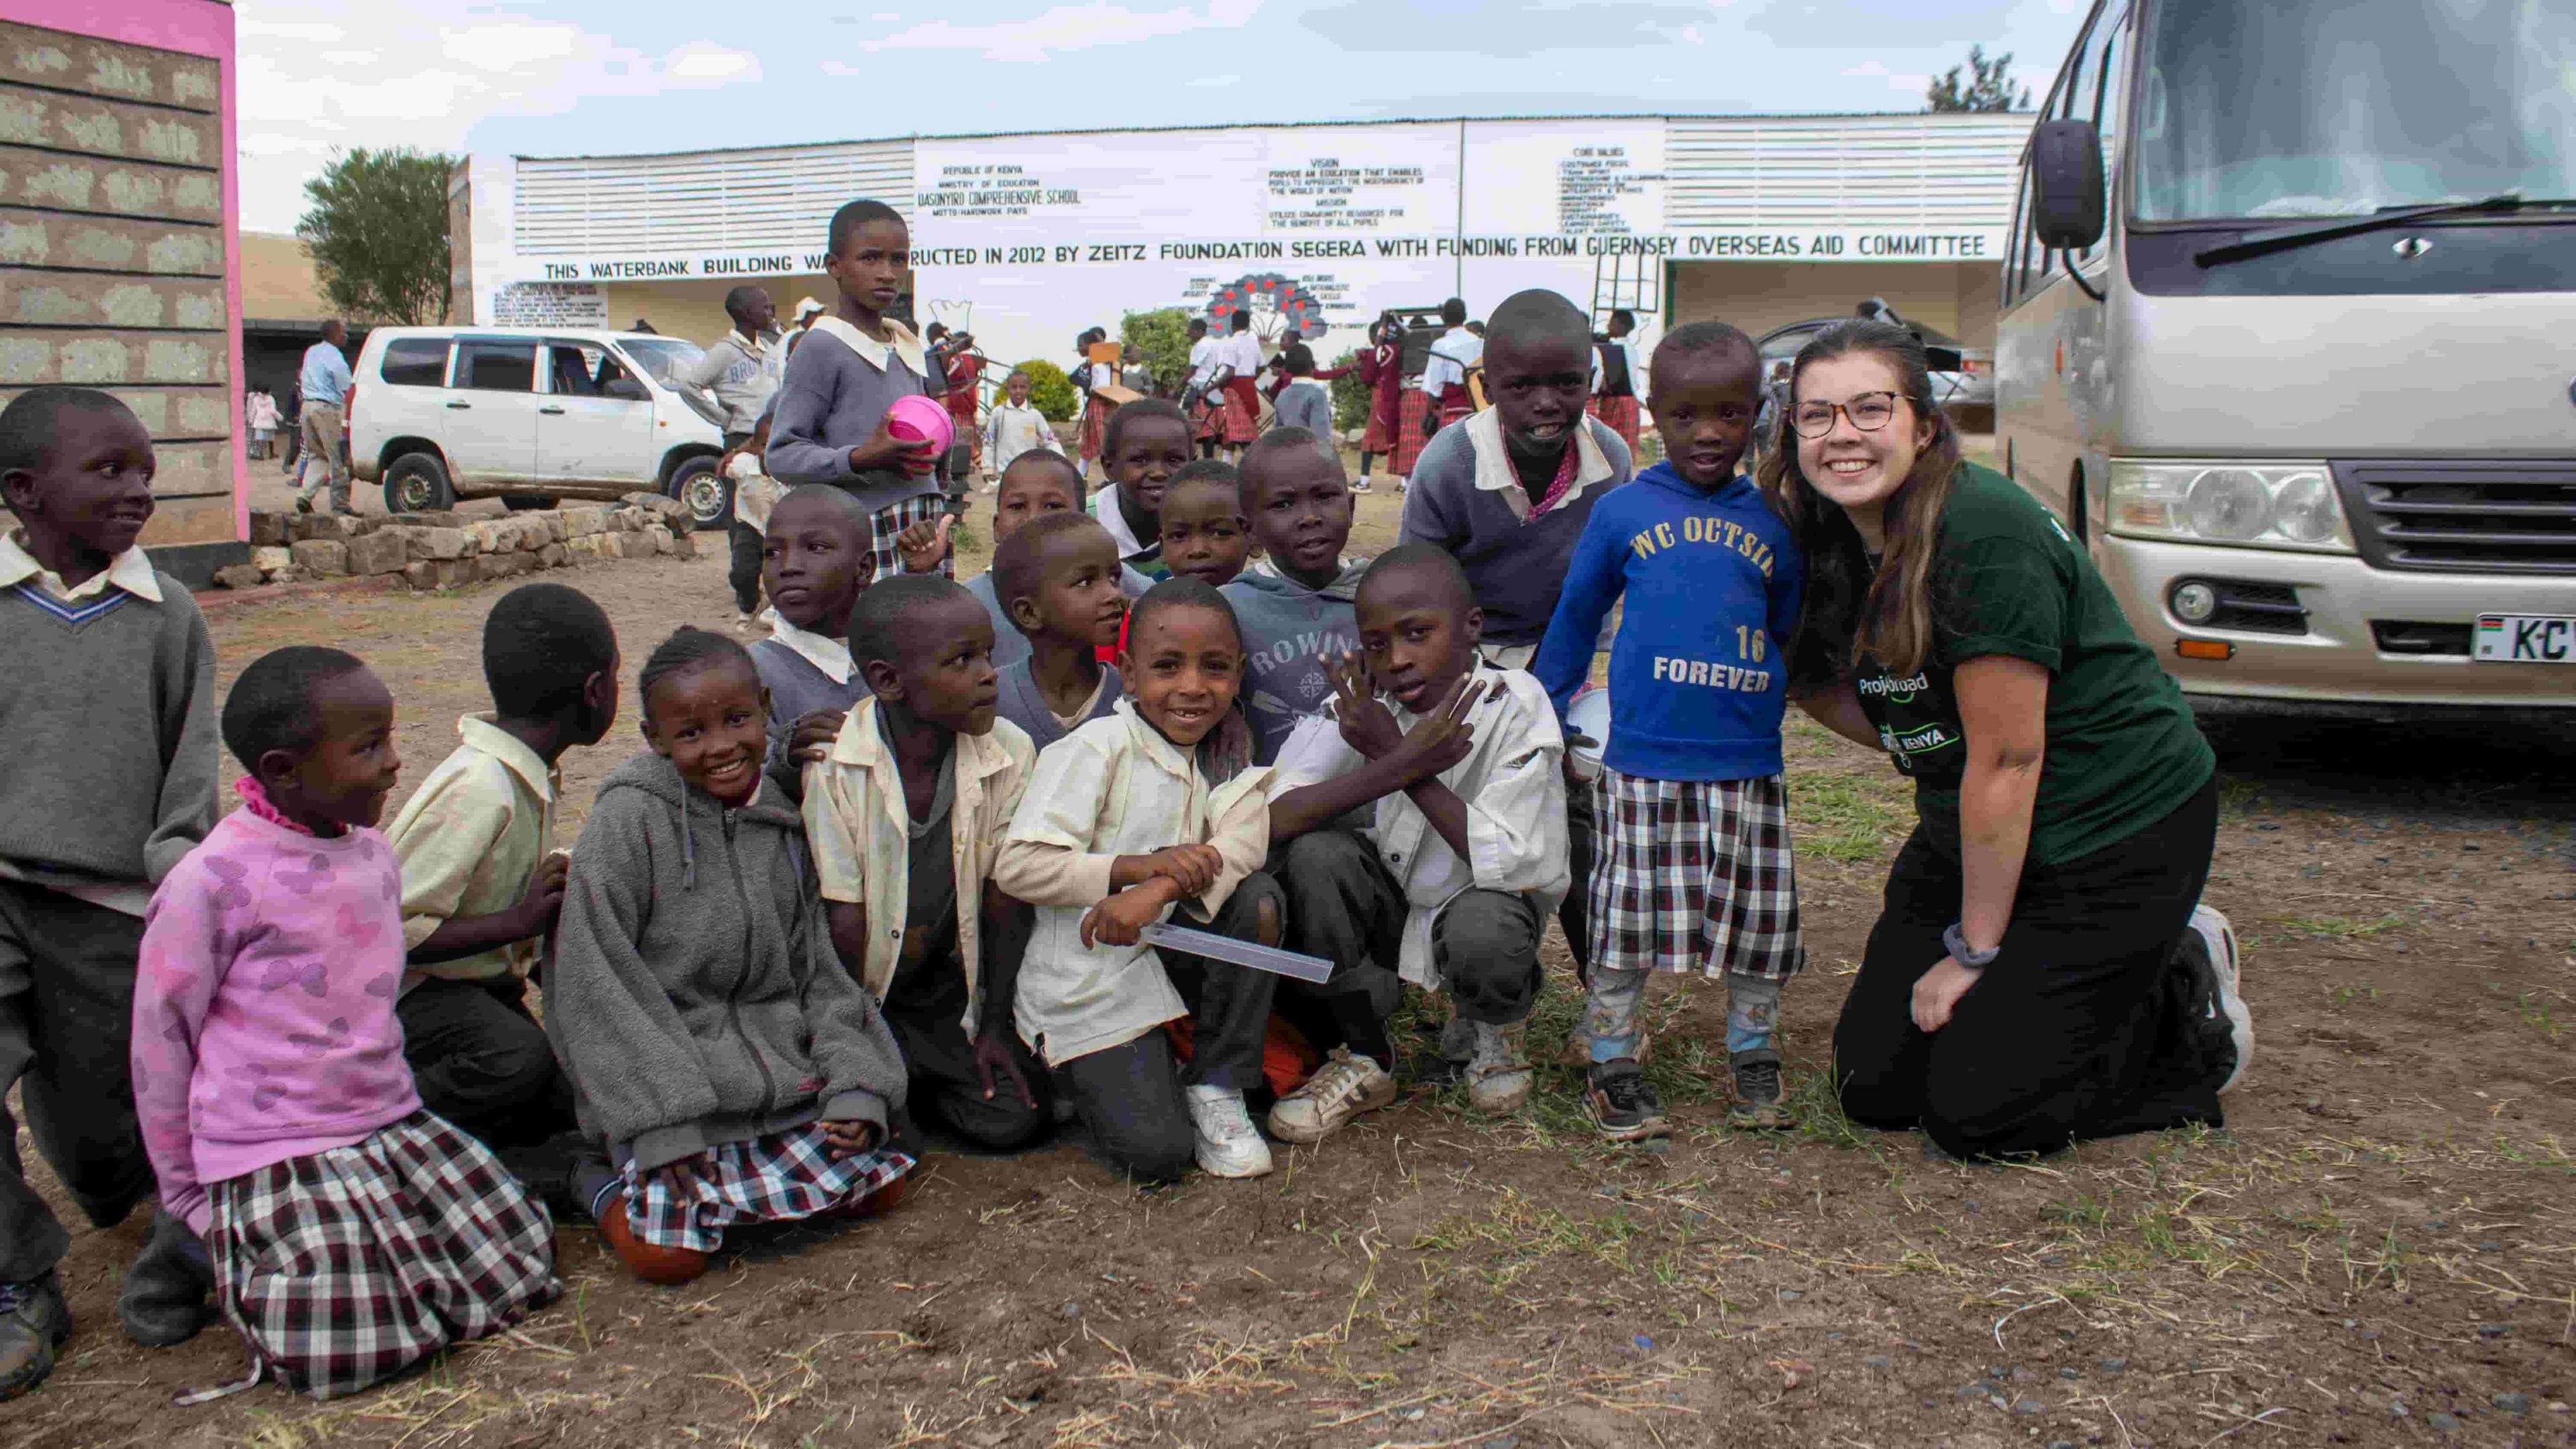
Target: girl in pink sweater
(352,1232)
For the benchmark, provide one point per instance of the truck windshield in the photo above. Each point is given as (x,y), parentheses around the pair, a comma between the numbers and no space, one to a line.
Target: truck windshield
(2300,108)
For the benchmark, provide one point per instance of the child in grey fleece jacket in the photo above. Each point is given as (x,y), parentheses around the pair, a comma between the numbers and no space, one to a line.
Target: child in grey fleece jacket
(732,1069)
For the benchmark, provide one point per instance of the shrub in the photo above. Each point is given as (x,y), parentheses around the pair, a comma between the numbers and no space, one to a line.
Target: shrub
(1164,337)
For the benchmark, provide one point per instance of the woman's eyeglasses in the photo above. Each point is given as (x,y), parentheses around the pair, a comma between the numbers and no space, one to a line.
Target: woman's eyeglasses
(1868,412)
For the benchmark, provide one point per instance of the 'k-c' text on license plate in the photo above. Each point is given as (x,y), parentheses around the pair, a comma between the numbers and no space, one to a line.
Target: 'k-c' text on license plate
(2524,639)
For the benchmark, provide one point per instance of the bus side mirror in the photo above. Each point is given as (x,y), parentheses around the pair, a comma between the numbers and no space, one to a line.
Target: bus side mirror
(2067,192)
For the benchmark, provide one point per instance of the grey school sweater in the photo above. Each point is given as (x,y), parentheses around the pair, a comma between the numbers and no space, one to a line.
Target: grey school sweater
(797,688)
(831,402)
(109,748)
(695,997)
(1516,569)
(1025,705)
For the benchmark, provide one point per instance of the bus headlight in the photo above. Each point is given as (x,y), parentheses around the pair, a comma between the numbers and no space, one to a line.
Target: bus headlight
(2252,505)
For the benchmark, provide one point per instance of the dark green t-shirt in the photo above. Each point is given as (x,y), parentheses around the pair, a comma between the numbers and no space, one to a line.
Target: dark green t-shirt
(2123,749)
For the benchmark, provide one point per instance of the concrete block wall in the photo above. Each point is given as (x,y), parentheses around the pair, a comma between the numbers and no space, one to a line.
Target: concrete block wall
(112,251)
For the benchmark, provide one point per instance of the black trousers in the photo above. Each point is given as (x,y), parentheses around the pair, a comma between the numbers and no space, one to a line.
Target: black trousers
(1129,1097)
(66,1031)
(946,1090)
(742,569)
(480,1060)
(1347,907)
(2082,1028)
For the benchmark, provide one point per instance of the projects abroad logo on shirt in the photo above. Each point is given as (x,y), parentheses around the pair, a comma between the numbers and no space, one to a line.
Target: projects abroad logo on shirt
(1895,691)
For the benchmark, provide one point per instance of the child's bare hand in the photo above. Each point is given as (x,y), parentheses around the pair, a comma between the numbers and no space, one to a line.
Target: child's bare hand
(1121,920)
(680,1177)
(1367,727)
(811,744)
(913,457)
(849,1139)
(1443,738)
(543,899)
(996,1063)
(1191,867)
(924,544)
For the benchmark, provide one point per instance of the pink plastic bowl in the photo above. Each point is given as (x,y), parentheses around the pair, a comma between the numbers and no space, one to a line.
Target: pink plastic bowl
(915,417)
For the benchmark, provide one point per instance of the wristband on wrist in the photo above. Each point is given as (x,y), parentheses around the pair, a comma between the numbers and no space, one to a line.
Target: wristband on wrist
(1955,941)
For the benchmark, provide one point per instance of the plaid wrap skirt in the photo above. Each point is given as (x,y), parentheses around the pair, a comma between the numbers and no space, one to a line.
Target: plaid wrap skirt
(1410,408)
(1694,875)
(777,1178)
(1623,416)
(1095,427)
(343,1268)
(888,523)
(1242,410)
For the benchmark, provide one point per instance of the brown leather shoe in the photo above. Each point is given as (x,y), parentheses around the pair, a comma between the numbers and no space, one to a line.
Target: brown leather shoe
(880,1202)
(668,1267)
(34,1321)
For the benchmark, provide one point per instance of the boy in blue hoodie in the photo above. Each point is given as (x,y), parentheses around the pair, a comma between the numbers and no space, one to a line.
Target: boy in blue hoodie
(1692,868)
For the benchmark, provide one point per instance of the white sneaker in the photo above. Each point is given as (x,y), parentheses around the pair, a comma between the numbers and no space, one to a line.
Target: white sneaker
(1229,1145)
(1498,1074)
(1347,1084)
(2211,941)
(1359,485)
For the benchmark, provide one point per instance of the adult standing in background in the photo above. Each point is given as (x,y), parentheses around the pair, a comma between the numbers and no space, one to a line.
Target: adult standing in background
(2042,972)
(742,368)
(324,382)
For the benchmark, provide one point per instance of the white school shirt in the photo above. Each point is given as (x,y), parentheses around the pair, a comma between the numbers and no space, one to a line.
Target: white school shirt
(1513,784)
(1240,351)
(1114,787)
(859,827)
(1010,431)
(1202,361)
(1457,350)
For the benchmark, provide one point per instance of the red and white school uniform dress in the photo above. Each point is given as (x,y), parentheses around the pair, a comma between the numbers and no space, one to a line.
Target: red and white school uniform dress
(1614,388)
(1096,410)
(1443,385)
(1242,352)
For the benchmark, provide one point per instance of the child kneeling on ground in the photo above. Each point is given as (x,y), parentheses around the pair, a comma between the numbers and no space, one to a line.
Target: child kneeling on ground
(1126,817)
(353,1232)
(732,1070)
(906,815)
(1464,856)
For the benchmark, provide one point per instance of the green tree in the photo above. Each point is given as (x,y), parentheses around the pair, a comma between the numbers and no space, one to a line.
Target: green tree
(1164,337)
(1351,398)
(1049,389)
(1980,85)
(376,223)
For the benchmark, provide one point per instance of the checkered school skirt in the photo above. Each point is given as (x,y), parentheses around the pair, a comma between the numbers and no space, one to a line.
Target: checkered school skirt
(1242,410)
(1410,407)
(1694,875)
(1095,427)
(1621,413)
(343,1268)
(777,1178)
(888,523)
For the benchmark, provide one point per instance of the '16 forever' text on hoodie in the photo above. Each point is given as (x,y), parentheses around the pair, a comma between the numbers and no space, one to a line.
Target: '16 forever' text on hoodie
(695,996)
(1712,580)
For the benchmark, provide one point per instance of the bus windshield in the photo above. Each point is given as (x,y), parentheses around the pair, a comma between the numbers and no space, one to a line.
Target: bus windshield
(2297,108)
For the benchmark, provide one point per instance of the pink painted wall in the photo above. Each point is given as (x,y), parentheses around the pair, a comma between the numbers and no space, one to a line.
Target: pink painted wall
(190,27)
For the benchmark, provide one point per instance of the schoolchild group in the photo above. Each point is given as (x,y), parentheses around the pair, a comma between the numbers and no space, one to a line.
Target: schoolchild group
(889,878)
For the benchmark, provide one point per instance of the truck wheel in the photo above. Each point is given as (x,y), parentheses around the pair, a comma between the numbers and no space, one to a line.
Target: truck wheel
(708,493)
(417,483)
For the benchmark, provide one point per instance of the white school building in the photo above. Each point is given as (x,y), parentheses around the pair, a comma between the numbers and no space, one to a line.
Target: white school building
(1026,239)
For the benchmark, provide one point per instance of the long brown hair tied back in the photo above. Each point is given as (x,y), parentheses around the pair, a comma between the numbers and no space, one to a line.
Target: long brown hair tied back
(1851,609)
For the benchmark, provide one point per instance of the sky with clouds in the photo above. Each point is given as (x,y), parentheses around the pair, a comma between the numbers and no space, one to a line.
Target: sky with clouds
(572,77)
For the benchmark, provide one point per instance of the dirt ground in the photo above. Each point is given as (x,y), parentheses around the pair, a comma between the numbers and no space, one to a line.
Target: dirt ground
(2379,1248)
